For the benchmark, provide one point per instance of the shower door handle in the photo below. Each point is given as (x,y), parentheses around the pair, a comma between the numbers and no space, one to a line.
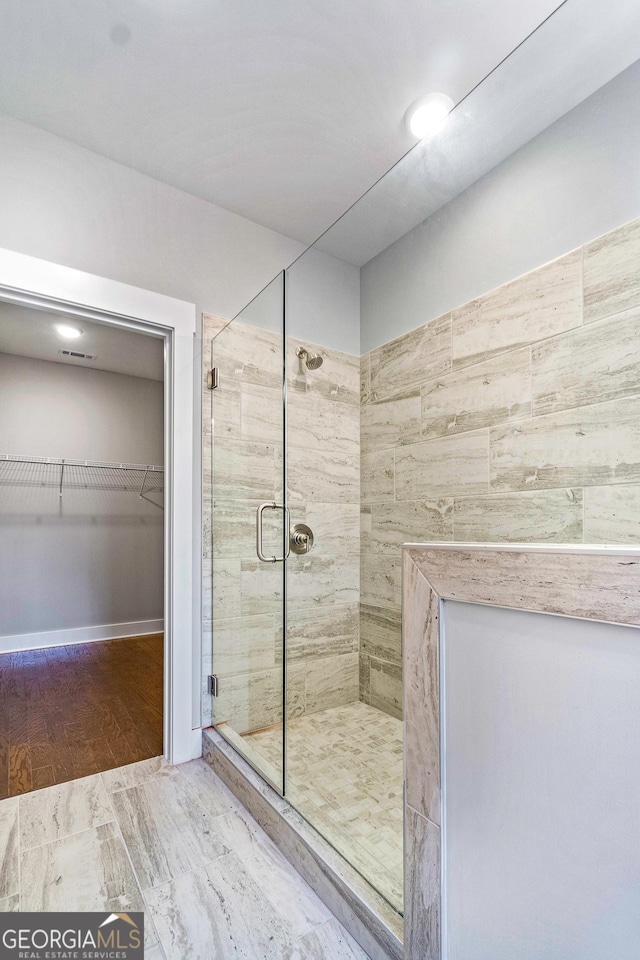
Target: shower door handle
(272,505)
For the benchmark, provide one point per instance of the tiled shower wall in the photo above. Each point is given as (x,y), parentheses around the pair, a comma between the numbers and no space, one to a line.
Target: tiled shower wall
(244,612)
(514,418)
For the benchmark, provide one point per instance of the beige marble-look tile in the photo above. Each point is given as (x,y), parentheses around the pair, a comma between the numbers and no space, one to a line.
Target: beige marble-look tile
(447,467)
(381,580)
(323,476)
(329,942)
(166,829)
(253,701)
(211,327)
(591,446)
(244,469)
(310,580)
(337,379)
(385,686)
(9,848)
(331,682)
(87,871)
(389,525)
(391,422)
(261,413)
(222,589)
(365,678)
(261,585)
(10,904)
(611,280)
(422,888)
(213,794)
(612,514)
(336,527)
(420,643)
(419,355)
(380,632)
(346,573)
(497,390)
(365,378)
(537,305)
(300,908)
(377,475)
(63,809)
(155,953)
(544,516)
(313,633)
(134,774)
(320,425)
(249,354)
(244,645)
(218,911)
(597,362)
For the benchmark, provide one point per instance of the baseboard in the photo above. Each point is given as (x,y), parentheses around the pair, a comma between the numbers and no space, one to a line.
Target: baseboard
(61,638)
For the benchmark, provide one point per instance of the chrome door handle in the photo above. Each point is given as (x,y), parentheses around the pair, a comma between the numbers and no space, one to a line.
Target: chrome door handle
(272,505)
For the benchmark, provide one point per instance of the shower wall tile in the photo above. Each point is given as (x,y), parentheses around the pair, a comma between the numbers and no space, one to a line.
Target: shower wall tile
(391,422)
(322,475)
(589,446)
(450,466)
(247,354)
(494,391)
(246,470)
(612,514)
(311,581)
(336,527)
(380,580)
(331,682)
(244,645)
(597,362)
(234,529)
(222,589)
(419,355)
(536,305)
(547,516)
(312,635)
(385,686)
(316,425)
(377,471)
(389,525)
(365,378)
(254,700)
(261,587)
(337,379)
(380,632)
(611,277)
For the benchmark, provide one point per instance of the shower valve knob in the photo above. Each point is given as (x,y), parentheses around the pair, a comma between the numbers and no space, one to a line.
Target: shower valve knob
(301,539)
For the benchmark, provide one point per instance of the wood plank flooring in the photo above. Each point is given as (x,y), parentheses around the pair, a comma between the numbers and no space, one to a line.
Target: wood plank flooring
(69,712)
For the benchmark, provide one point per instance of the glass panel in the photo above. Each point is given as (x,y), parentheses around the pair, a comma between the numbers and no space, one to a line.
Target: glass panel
(247,426)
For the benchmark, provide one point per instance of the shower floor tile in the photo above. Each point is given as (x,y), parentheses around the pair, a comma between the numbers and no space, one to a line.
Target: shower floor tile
(344,775)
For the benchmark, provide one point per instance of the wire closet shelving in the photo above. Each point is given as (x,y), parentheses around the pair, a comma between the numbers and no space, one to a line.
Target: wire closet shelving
(143,479)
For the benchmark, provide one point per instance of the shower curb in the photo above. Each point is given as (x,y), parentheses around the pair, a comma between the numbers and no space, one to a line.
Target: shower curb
(362,911)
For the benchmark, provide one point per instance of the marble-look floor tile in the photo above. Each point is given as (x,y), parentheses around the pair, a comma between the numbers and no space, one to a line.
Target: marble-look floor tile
(213,794)
(166,829)
(218,911)
(59,811)
(274,875)
(155,953)
(85,871)
(134,774)
(9,844)
(330,942)
(10,904)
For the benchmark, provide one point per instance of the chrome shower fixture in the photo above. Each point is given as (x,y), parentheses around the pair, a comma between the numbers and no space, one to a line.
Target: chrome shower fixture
(312,360)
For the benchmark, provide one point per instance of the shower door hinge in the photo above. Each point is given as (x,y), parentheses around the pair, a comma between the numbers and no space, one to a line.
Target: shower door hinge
(213,685)
(212,378)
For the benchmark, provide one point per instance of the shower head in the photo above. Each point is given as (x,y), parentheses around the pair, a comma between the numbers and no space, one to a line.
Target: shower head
(312,360)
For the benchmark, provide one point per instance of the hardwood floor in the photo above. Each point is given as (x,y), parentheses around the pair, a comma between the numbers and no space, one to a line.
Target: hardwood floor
(68,712)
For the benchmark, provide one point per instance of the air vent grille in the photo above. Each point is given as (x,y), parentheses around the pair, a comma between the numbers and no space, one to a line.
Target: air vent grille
(77,355)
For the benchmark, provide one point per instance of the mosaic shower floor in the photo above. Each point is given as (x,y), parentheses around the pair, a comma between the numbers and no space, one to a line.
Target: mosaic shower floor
(344,775)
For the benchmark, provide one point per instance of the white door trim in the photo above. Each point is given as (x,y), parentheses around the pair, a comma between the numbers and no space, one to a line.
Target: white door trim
(50,286)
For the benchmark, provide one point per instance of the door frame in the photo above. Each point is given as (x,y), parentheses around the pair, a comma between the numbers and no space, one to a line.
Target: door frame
(47,286)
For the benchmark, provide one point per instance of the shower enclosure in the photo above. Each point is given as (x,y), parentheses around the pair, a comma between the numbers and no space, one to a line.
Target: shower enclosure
(291,696)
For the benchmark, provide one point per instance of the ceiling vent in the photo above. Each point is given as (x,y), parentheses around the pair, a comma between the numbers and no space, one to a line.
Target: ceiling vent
(77,355)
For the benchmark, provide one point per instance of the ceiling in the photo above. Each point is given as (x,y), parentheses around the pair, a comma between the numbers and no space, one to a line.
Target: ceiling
(282,111)
(31,333)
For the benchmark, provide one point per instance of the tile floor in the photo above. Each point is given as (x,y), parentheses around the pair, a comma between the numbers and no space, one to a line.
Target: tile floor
(174,842)
(344,774)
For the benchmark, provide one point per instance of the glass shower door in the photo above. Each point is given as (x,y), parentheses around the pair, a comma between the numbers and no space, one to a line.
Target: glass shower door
(249,531)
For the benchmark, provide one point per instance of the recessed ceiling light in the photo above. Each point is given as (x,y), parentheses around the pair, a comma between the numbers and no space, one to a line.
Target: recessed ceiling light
(428,114)
(66,330)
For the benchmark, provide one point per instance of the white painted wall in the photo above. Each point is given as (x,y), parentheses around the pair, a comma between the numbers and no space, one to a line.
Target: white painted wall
(92,558)
(575,181)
